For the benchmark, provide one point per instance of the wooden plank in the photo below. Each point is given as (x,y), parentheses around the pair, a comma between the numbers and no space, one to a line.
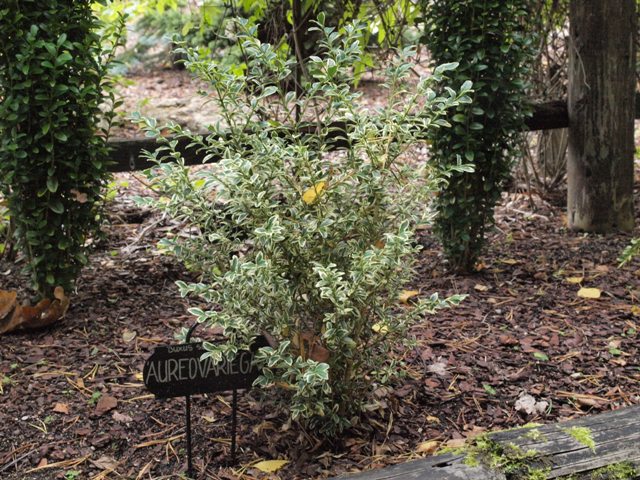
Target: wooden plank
(548,116)
(441,467)
(616,435)
(126,153)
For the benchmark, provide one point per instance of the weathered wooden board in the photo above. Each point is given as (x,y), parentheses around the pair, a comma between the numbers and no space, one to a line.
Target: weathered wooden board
(125,153)
(616,435)
(442,467)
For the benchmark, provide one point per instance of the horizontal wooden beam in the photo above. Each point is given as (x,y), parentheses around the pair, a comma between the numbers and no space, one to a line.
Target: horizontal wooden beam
(126,153)
(548,116)
(563,449)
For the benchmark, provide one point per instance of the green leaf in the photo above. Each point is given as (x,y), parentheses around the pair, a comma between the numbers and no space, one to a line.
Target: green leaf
(61,136)
(52,184)
(63,58)
(56,206)
(186,28)
(541,356)
(489,389)
(446,67)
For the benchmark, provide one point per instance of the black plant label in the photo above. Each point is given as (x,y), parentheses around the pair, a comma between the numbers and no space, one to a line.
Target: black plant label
(179,370)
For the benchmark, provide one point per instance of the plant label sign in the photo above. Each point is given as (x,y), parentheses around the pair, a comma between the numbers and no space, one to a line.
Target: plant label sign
(178,371)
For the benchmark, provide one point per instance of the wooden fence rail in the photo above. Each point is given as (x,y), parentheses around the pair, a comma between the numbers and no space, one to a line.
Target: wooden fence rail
(126,153)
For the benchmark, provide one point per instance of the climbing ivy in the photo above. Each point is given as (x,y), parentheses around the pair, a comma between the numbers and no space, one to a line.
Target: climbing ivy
(489,40)
(53,162)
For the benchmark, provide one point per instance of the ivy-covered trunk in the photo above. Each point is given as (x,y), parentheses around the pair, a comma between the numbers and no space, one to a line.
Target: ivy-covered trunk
(488,38)
(53,162)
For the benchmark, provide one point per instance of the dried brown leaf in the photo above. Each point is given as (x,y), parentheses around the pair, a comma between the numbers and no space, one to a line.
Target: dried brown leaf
(105,404)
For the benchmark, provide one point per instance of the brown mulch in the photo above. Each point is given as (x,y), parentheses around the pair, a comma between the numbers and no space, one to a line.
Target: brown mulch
(73,393)
(72,402)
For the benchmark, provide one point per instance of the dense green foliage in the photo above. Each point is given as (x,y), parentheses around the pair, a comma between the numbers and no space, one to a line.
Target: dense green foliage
(489,40)
(208,26)
(309,247)
(52,162)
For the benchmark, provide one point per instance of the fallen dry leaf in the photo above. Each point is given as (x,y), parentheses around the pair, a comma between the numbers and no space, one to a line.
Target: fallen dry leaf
(480,288)
(43,314)
(509,261)
(439,368)
(61,408)
(575,280)
(318,353)
(78,196)
(456,443)
(428,447)
(270,466)
(592,293)
(121,418)
(475,431)
(105,463)
(105,404)
(528,404)
(615,343)
(406,295)
(128,336)
(7,302)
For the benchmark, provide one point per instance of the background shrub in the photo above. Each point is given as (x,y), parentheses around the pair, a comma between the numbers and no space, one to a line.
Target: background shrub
(308,247)
(52,153)
(489,40)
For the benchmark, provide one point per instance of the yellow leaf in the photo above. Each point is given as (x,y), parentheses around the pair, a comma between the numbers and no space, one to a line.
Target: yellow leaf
(635,310)
(589,292)
(379,328)
(509,261)
(575,279)
(480,288)
(428,447)
(405,295)
(270,466)
(311,195)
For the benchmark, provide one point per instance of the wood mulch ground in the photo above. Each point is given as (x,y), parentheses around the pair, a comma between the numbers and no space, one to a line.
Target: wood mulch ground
(523,347)
(72,399)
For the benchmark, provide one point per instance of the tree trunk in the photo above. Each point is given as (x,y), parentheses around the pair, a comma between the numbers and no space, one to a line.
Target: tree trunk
(601,115)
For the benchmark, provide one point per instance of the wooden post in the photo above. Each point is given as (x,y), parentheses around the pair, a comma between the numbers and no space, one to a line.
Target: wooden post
(601,115)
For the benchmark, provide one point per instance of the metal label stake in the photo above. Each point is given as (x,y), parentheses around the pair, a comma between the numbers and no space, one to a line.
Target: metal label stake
(188,415)
(180,371)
